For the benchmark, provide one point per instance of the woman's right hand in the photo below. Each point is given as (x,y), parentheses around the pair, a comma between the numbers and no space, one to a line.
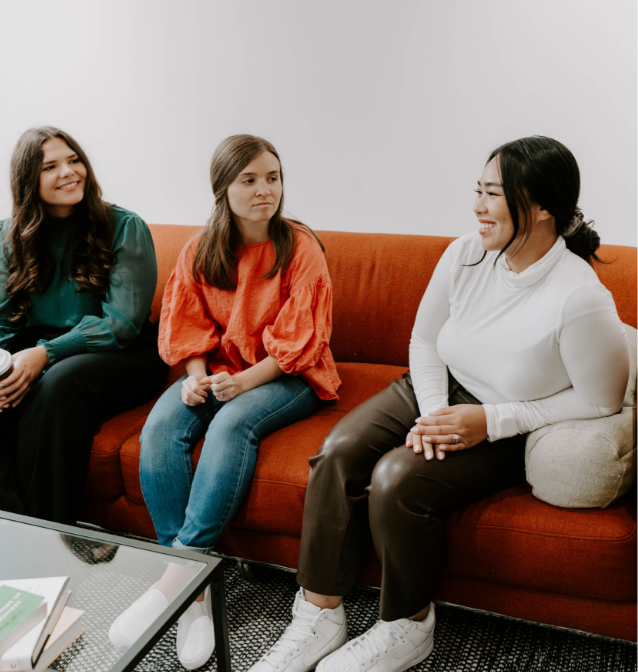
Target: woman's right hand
(416,442)
(27,366)
(194,390)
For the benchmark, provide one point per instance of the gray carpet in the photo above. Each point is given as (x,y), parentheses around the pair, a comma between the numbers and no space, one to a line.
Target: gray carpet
(464,641)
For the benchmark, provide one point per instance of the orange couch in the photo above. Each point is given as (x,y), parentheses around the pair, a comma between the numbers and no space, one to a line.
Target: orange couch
(511,554)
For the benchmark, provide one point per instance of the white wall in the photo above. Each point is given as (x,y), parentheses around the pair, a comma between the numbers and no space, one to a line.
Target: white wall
(383,113)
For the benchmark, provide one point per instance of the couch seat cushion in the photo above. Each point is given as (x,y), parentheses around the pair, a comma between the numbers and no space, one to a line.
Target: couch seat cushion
(104,477)
(514,539)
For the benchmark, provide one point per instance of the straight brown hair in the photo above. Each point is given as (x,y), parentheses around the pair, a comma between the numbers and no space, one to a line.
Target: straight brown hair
(216,257)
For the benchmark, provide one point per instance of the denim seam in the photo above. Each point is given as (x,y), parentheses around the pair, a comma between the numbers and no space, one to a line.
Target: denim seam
(252,433)
(188,436)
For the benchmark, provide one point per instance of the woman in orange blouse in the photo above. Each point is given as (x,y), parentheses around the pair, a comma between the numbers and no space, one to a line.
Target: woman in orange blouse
(248,311)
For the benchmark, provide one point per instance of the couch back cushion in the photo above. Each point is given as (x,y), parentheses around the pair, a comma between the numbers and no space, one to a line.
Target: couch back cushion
(618,274)
(378,281)
(169,240)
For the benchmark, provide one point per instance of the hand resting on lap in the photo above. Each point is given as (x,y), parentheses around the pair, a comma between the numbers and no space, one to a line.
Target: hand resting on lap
(435,432)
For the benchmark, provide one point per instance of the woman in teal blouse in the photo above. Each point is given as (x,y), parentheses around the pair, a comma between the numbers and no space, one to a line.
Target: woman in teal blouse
(77,278)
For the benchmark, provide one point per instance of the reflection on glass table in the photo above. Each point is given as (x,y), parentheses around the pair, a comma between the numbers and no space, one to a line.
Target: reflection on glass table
(107,575)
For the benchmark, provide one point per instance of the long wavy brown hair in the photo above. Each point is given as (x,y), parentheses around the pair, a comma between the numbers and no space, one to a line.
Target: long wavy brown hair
(216,256)
(27,246)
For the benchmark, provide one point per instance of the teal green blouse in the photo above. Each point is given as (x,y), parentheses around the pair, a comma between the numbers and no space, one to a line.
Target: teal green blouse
(98,325)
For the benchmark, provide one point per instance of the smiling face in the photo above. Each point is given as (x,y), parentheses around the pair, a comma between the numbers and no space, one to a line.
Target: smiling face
(495,222)
(62,178)
(254,196)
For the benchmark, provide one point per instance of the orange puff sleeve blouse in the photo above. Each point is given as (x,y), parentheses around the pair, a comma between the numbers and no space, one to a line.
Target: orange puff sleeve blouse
(288,316)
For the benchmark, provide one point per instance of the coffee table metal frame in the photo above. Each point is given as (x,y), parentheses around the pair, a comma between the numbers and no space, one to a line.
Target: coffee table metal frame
(212,574)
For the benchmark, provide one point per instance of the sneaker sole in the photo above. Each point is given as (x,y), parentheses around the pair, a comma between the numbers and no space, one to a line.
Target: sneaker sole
(411,663)
(418,659)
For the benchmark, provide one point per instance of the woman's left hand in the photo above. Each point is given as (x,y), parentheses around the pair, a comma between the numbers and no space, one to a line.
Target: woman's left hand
(224,386)
(468,421)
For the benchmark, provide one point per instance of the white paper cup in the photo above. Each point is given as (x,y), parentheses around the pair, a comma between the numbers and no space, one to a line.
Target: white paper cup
(6,364)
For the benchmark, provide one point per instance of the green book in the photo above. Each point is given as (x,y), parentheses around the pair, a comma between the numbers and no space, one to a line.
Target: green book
(19,612)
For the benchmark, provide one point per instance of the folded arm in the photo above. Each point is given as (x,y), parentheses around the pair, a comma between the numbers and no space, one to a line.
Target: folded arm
(593,347)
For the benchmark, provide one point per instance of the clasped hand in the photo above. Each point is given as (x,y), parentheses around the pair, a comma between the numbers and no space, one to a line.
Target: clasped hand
(435,432)
(27,366)
(223,386)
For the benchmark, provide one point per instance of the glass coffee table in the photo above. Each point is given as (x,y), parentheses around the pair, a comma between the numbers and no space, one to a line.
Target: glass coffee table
(107,574)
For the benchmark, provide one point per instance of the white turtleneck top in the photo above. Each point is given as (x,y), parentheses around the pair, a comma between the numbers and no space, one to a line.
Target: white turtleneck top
(535,347)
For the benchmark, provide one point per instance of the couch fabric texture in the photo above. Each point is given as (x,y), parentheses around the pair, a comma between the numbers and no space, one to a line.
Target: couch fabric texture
(511,553)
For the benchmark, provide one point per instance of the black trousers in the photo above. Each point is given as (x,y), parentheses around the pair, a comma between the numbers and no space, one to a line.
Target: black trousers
(46,440)
(364,489)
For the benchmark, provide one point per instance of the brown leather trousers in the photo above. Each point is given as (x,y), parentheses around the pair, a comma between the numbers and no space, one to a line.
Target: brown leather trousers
(364,489)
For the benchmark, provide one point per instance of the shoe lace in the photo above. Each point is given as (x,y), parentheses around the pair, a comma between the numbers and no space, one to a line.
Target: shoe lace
(300,628)
(378,639)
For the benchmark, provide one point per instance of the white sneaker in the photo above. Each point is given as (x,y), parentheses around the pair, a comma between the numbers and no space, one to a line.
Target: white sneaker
(392,646)
(195,634)
(132,622)
(313,634)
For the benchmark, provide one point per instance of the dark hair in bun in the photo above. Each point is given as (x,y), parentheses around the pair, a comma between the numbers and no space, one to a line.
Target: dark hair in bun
(543,171)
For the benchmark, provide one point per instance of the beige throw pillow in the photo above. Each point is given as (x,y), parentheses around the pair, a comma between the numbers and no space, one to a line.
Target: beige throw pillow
(586,463)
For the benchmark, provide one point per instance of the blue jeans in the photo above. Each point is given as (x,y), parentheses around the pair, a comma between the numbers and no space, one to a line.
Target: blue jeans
(191,511)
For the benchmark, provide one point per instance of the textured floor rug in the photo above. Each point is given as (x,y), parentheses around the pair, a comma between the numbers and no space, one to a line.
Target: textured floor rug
(464,640)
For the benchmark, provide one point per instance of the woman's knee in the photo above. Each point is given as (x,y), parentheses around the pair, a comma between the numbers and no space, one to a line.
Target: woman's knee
(341,447)
(64,381)
(168,413)
(158,446)
(401,479)
(389,474)
(154,428)
(161,428)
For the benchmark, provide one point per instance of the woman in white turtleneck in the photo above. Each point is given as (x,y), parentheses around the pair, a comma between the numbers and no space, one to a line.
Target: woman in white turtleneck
(515,331)
(531,332)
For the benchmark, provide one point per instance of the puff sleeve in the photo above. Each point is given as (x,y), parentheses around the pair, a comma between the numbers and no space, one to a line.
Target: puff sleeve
(299,338)
(301,332)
